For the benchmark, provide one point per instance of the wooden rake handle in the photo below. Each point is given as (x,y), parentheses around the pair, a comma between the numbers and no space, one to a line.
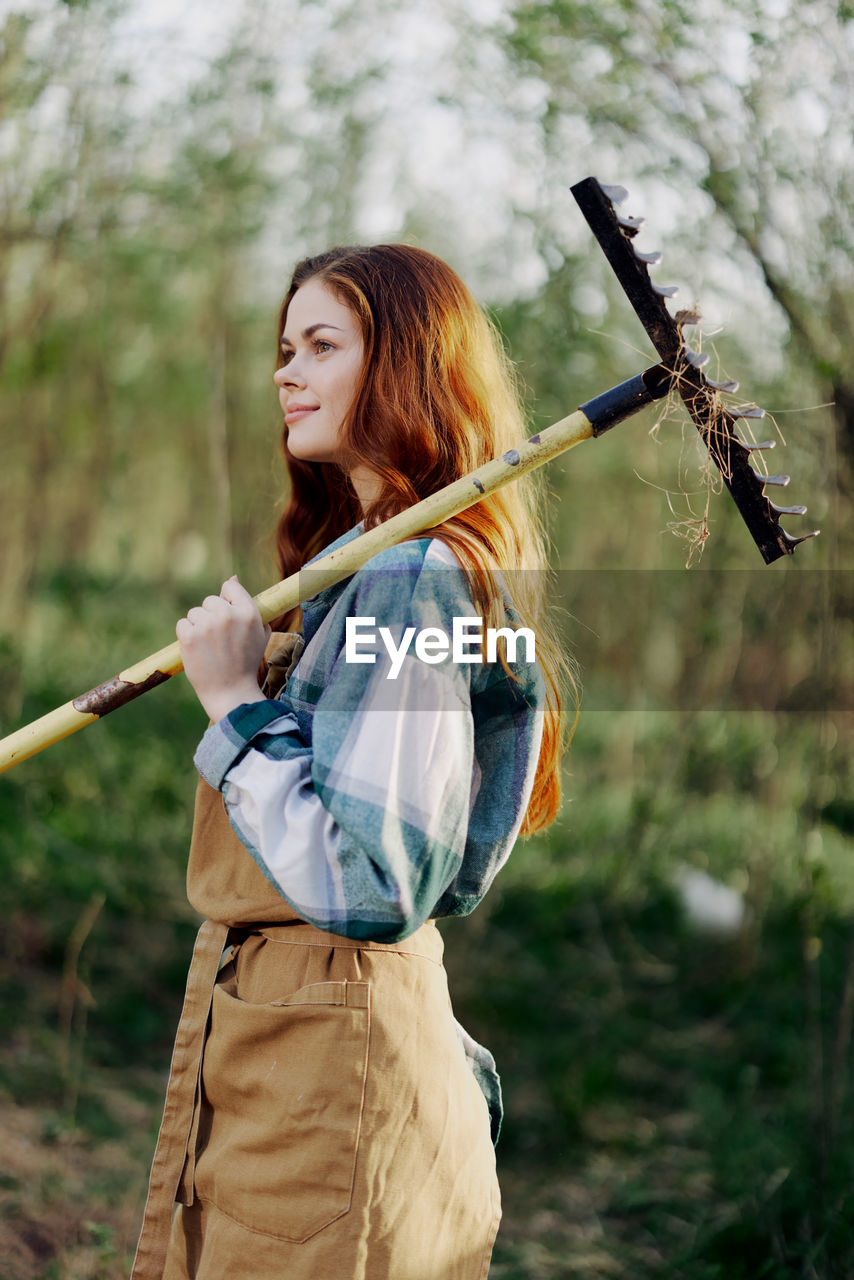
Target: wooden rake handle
(592,419)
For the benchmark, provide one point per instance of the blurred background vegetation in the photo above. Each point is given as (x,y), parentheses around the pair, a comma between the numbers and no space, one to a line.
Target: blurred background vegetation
(666,978)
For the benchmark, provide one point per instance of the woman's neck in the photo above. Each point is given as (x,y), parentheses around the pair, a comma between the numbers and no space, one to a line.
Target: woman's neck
(366,483)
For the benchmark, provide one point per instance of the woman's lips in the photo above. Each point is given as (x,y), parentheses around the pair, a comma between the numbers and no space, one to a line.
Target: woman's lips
(297,411)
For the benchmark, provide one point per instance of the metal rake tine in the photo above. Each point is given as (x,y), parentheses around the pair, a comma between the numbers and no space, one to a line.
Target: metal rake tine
(651,259)
(745,411)
(750,447)
(631,226)
(617,195)
(793,539)
(729,385)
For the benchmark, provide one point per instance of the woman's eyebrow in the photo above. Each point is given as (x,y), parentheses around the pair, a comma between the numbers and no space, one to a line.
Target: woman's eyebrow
(311,331)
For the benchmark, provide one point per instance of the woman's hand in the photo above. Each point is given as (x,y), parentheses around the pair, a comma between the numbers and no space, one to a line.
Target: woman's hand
(222,643)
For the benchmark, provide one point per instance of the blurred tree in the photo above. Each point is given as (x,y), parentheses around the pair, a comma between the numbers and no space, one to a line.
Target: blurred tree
(59,195)
(148,219)
(126,229)
(749,100)
(147,227)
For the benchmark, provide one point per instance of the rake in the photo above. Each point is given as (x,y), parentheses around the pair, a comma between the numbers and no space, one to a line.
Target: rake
(716,421)
(679,369)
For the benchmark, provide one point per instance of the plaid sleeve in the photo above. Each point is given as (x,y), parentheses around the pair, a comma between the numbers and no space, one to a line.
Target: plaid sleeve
(362,830)
(227,741)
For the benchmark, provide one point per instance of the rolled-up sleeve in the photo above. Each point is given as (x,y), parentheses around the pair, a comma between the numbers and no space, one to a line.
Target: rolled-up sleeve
(364,828)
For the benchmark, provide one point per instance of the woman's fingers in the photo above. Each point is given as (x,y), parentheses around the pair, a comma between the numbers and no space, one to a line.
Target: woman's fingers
(227,626)
(234,593)
(222,642)
(203,613)
(233,597)
(230,622)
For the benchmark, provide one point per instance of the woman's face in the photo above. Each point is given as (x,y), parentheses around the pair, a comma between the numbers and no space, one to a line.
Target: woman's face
(323,354)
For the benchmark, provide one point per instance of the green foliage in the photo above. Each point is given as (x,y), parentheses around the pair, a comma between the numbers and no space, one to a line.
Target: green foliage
(106,814)
(694,1082)
(688,1083)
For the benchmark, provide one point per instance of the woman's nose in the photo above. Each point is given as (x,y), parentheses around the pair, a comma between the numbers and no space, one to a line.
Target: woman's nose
(289,376)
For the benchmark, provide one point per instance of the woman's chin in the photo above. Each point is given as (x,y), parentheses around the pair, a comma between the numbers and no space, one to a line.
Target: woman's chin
(304,453)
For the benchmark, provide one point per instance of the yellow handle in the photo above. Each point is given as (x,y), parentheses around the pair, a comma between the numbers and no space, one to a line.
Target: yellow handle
(278,599)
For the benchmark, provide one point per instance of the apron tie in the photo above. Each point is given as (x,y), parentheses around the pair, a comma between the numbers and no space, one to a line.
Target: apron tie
(179,1109)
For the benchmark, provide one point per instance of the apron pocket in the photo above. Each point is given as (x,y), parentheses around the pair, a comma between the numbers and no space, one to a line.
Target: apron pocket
(282,1100)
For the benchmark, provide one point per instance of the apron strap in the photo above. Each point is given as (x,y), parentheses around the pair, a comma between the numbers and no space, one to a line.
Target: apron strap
(178,1110)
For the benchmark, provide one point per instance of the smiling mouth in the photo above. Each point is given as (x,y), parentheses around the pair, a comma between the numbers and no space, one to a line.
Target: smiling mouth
(298,411)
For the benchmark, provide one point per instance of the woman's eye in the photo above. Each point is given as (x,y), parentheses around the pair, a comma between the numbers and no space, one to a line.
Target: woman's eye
(319,345)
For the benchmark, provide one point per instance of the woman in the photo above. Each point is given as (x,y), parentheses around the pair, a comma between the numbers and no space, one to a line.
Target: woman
(326,1117)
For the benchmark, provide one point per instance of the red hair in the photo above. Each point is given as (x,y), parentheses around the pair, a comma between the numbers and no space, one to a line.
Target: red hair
(436,399)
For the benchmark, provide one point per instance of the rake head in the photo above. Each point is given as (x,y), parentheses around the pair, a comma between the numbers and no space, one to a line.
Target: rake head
(715,420)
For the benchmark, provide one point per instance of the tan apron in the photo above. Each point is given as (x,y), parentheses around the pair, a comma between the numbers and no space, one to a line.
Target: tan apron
(321,1121)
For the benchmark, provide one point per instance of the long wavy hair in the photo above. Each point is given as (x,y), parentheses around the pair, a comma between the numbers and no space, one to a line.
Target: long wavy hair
(436,399)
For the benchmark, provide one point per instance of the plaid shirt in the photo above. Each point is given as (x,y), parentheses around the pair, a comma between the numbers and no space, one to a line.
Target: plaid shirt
(374,804)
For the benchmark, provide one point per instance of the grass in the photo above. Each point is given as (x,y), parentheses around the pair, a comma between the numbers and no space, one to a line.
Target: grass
(677,1100)
(670,1108)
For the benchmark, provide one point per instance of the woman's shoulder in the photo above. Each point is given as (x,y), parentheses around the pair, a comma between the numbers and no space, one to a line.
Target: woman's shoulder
(423,567)
(415,549)
(422,549)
